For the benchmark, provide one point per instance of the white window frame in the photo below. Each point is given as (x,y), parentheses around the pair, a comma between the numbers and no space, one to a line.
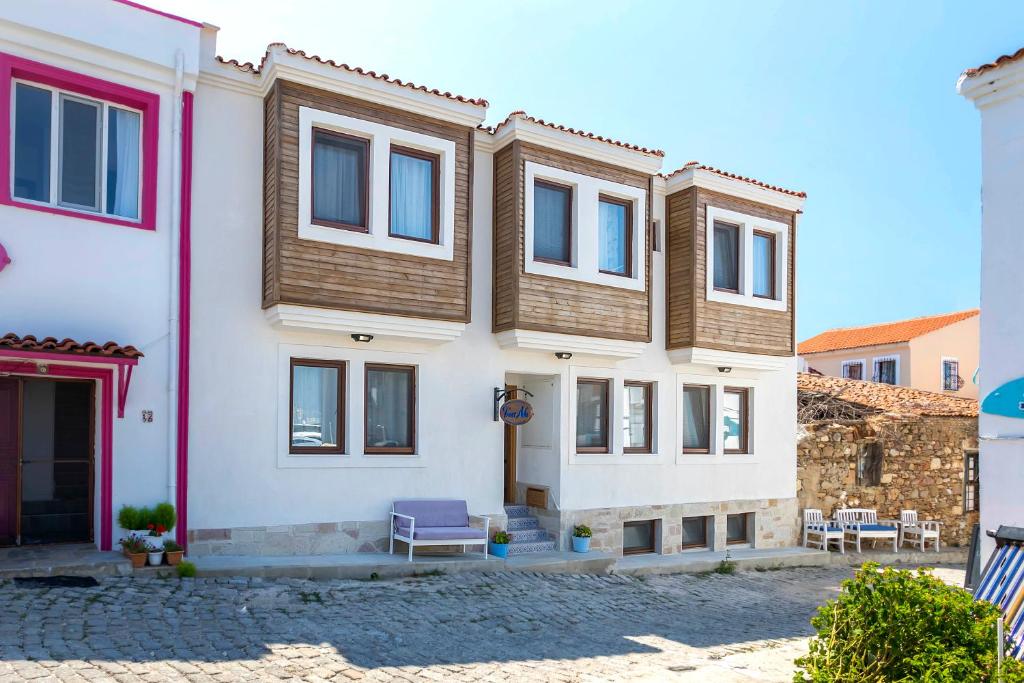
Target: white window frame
(747,224)
(57,96)
(584,263)
(717,439)
(942,372)
(616,454)
(381,138)
(856,361)
(875,377)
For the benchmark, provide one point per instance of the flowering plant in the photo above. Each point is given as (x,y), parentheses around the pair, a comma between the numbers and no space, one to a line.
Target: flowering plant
(134,545)
(156,530)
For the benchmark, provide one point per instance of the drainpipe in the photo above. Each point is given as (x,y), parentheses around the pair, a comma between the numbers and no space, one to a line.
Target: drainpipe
(173,303)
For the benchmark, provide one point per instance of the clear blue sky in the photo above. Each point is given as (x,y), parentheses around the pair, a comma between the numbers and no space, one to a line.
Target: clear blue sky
(852,102)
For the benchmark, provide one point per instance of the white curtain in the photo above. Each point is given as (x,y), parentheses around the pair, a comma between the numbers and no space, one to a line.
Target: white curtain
(314,406)
(123,163)
(412,196)
(763,266)
(550,221)
(696,417)
(387,408)
(612,246)
(726,256)
(337,181)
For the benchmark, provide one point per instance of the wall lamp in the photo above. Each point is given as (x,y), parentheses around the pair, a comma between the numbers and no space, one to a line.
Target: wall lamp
(724,369)
(563,355)
(362,337)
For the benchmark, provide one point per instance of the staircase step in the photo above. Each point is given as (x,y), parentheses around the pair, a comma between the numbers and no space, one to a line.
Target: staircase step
(522,523)
(530,547)
(528,535)
(517,511)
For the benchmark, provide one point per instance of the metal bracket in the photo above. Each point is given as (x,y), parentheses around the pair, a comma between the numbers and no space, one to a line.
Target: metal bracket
(502,394)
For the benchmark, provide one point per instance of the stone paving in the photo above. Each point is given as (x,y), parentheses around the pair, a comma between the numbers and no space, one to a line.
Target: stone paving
(464,627)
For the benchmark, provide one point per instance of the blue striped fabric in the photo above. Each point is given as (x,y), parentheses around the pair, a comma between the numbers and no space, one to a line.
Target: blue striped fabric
(1003,586)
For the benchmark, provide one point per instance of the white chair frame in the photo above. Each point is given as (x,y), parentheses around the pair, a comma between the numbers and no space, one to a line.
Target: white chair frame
(918,532)
(818,531)
(854,519)
(413,542)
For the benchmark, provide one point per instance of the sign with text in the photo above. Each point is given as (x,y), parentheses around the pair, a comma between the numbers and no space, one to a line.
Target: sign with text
(515,412)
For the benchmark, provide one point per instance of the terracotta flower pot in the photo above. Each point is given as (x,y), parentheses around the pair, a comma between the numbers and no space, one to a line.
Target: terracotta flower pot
(173,556)
(138,559)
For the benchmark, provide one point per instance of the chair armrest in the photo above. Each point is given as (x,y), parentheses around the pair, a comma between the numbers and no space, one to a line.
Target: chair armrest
(487,524)
(394,527)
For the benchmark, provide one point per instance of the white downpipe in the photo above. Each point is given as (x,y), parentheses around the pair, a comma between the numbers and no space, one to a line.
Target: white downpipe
(175,259)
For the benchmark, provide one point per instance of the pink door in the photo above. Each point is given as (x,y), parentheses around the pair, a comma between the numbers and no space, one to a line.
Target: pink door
(9,435)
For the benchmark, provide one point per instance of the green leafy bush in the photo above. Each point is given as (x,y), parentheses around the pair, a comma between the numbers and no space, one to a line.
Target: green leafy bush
(137,519)
(582,531)
(501,537)
(130,518)
(186,569)
(898,625)
(163,515)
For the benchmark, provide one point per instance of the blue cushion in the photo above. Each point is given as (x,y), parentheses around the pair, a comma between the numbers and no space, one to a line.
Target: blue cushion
(876,527)
(831,527)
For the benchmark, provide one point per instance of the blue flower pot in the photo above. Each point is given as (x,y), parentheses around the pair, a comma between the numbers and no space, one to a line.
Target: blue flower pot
(580,545)
(498,549)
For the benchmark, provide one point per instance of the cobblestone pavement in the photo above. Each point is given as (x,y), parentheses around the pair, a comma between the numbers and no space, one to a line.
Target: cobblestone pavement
(463,627)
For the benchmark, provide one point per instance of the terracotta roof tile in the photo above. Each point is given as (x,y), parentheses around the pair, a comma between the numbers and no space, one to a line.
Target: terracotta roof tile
(69,346)
(888,398)
(522,115)
(883,333)
(697,166)
(998,62)
(249,67)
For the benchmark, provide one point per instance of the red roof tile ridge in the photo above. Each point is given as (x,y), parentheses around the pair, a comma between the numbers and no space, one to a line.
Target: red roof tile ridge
(50,344)
(696,165)
(894,332)
(520,114)
(966,313)
(994,64)
(249,67)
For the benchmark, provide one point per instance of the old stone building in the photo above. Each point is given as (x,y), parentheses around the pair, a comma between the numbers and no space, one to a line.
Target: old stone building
(863,444)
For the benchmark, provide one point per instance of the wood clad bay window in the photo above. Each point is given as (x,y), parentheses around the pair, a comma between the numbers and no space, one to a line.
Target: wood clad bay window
(592,406)
(340,185)
(639,537)
(727,257)
(739,528)
(615,236)
(764,264)
(637,417)
(552,223)
(696,418)
(735,427)
(390,407)
(316,407)
(414,209)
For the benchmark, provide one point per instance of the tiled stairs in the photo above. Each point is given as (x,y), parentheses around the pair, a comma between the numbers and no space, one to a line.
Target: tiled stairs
(525,534)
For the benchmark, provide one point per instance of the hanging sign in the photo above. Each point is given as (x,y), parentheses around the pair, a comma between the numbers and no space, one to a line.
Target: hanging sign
(515,412)
(1007,400)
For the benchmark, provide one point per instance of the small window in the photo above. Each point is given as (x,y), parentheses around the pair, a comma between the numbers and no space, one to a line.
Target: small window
(414,212)
(764,264)
(390,406)
(738,528)
(341,165)
(696,419)
(316,415)
(951,380)
(735,414)
(695,532)
(639,537)
(592,415)
(971,481)
(727,257)
(656,235)
(869,464)
(615,236)
(552,223)
(637,417)
(853,369)
(885,370)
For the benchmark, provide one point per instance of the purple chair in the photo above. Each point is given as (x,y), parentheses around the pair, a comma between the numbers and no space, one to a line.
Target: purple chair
(435,522)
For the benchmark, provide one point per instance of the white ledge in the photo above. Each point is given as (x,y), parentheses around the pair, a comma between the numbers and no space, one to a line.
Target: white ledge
(697,177)
(730,359)
(575,344)
(290,316)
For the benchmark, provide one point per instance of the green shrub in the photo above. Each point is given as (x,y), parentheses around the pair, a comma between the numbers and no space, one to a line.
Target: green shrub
(582,531)
(186,569)
(725,567)
(899,625)
(171,546)
(163,515)
(139,519)
(130,518)
(501,537)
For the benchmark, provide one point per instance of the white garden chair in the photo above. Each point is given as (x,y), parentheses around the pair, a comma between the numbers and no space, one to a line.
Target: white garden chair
(863,524)
(820,531)
(919,532)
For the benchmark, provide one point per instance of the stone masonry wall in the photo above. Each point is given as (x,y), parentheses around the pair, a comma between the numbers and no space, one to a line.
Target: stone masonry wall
(922,469)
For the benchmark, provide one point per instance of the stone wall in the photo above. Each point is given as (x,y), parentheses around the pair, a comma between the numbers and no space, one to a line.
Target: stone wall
(922,468)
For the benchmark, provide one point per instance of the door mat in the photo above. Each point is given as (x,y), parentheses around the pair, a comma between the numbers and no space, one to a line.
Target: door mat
(56,581)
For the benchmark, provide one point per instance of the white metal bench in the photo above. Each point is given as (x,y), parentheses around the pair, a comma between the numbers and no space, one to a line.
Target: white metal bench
(863,524)
(820,531)
(435,522)
(919,532)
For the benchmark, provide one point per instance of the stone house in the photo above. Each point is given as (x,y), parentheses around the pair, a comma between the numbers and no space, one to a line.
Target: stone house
(864,444)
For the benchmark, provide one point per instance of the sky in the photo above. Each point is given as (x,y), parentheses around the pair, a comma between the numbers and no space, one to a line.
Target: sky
(852,102)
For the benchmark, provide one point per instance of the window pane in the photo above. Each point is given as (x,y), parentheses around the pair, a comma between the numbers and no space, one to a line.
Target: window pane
(613,237)
(412,196)
(764,265)
(315,407)
(694,532)
(79,154)
(736,529)
(696,418)
(734,429)
(32,143)
(339,179)
(885,371)
(591,415)
(854,371)
(636,407)
(727,256)
(389,406)
(637,536)
(123,162)
(551,209)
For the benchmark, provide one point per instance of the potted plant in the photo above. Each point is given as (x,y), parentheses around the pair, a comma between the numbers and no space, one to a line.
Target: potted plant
(581,534)
(499,544)
(139,521)
(154,544)
(135,549)
(173,552)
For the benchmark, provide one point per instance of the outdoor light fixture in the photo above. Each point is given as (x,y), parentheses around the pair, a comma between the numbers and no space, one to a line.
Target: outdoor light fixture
(362,337)
(724,369)
(563,355)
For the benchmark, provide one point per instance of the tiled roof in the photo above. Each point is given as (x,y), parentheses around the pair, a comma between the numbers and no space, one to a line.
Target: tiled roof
(998,62)
(522,115)
(884,333)
(249,67)
(697,166)
(888,398)
(68,346)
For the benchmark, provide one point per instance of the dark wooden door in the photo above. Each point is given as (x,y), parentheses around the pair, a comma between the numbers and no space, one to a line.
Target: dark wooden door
(510,457)
(10,436)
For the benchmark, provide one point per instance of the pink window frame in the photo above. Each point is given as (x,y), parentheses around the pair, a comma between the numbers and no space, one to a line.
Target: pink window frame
(148,103)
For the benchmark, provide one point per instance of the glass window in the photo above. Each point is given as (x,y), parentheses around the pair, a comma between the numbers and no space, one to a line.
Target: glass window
(32,143)
(592,415)
(885,371)
(317,398)
(414,198)
(734,416)
(340,166)
(123,158)
(971,480)
(695,532)
(727,256)
(737,528)
(552,223)
(636,417)
(764,264)
(853,370)
(616,236)
(390,409)
(638,537)
(951,375)
(696,419)
(79,153)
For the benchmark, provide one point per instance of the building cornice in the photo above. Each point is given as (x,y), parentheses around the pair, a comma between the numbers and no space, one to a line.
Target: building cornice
(993,86)
(726,359)
(734,187)
(290,316)
(552,342)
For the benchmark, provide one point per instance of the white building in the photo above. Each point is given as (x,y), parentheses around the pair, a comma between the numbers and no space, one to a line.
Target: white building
(369,264)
